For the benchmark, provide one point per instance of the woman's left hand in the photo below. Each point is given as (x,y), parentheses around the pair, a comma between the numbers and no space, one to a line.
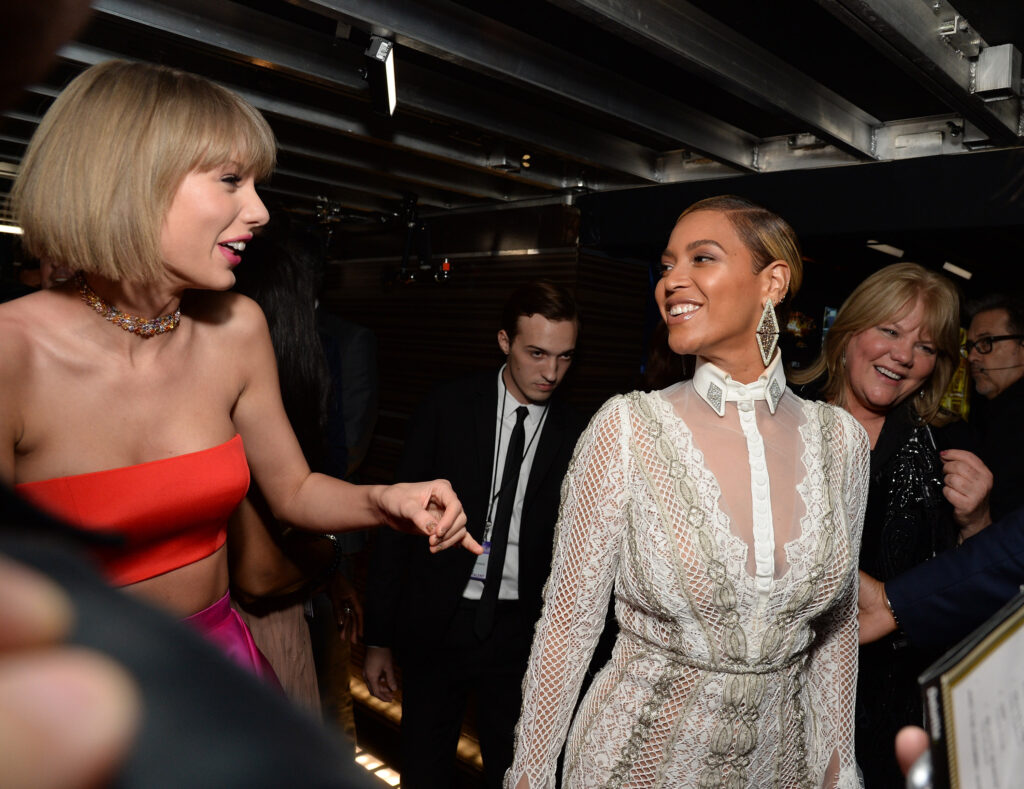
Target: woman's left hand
(967,485)
(430,508)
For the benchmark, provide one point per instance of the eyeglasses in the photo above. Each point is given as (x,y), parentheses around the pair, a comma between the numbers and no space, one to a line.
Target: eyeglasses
(984,345)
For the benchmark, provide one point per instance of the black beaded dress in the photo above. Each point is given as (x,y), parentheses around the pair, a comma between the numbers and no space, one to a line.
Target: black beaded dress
(907,522)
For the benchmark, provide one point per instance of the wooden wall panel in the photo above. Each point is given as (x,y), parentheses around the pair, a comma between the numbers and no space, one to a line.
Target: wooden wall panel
(429,332)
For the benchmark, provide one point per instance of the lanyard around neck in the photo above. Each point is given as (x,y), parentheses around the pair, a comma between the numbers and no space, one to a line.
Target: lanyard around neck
(496,494)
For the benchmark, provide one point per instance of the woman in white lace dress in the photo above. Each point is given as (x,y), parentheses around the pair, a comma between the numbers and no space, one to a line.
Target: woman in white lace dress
(725,515)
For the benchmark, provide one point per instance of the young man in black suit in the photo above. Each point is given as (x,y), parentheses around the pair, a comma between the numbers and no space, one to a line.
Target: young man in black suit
(464,624)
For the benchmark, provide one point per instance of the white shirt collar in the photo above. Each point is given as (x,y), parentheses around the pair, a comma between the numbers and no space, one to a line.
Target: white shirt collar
(716,387)
(534,410)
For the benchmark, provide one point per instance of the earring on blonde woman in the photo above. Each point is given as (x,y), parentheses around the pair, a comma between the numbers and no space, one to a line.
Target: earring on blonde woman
(767,332)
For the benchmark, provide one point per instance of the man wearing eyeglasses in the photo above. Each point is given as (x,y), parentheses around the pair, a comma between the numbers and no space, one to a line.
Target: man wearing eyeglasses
(995,351)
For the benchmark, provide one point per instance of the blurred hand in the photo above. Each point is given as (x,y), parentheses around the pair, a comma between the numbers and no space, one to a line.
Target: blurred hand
(911,743)
(430,508)
(379,673)
(67,715)
(873,614)
(968,482)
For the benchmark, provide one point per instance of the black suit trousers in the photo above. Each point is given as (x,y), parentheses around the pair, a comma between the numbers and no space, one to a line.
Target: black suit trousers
(438,683)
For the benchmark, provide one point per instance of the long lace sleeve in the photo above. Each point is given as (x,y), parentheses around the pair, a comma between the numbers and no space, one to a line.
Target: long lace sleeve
(576,596)
(832,676)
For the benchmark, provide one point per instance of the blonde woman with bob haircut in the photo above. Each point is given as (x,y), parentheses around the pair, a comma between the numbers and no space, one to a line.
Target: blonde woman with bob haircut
(888,359)
(135,400)
(724,514)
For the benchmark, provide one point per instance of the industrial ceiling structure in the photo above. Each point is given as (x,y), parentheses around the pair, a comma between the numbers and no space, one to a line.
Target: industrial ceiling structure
(515,103)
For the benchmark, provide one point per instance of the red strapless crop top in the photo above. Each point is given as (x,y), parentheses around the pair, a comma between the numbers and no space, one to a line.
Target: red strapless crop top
(169,512)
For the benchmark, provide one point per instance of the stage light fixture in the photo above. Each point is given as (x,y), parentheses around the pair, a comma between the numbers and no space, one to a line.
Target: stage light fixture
(380,73)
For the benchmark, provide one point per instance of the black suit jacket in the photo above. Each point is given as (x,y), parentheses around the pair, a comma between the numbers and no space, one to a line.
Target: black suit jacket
(944,599)
(413,594)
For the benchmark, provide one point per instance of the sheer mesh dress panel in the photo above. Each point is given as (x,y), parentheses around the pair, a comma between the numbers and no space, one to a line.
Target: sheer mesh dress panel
(736,660)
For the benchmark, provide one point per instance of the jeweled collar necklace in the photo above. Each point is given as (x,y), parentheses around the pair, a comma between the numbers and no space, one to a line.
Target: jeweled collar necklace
(143,327)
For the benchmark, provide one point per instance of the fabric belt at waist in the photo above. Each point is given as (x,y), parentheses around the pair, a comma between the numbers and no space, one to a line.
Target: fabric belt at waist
(722,668)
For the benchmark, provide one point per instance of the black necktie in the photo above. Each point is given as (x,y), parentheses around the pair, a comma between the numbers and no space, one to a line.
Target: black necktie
(502,521)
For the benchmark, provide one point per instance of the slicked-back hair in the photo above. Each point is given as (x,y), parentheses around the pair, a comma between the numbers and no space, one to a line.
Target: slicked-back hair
(1012,304)
(888,295)
(766,235)
(540,297)
(108,157)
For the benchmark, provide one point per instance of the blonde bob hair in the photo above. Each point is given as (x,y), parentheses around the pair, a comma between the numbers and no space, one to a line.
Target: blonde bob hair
(766,235)
(888,295)
(108,157)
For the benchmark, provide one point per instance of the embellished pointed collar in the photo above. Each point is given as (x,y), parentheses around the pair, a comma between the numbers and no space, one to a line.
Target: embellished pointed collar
(716,387)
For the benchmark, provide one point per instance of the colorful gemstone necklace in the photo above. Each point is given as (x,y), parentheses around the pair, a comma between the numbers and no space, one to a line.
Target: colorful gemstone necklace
(144,327)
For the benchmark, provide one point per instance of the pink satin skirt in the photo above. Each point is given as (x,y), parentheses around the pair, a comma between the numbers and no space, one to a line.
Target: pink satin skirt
(222,625)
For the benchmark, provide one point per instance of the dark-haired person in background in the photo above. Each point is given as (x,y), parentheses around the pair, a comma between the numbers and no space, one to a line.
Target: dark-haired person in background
(995,350)
(328,374)
(474,618)
(274,569)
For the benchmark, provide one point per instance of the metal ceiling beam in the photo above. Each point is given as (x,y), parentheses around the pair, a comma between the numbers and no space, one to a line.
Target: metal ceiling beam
(346,198)
(478,186)
(243,33)
(908,32)
(374,187)
(346,125)
(452,32)
(511,119)
(687,36)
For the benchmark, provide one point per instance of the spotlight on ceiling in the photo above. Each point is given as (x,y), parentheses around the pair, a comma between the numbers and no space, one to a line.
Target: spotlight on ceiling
(380,72)
(952,268)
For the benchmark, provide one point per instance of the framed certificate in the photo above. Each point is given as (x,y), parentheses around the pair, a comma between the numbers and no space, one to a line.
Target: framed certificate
(974,706)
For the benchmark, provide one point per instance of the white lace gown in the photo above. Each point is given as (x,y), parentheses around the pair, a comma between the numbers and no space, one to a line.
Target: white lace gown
(727,521)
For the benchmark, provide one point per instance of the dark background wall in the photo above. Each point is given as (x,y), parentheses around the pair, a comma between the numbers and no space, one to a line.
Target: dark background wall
(962,209)
(429,332)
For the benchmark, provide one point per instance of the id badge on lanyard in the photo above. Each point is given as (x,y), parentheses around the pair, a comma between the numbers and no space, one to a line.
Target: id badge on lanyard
(480,566)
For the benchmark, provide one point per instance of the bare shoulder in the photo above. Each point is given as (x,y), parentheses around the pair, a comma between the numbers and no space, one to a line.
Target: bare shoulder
(230,334)
(28,326)
(26,322)
(232,315)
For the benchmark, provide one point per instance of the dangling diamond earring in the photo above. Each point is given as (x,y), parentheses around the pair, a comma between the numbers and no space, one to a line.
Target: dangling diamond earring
(767,332)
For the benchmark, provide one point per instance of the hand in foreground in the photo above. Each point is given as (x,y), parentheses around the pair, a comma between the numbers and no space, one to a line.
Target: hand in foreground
(430,508)
(911,743)
(379,673)
(873,614)
(967,483)
(348,610)
(67,715)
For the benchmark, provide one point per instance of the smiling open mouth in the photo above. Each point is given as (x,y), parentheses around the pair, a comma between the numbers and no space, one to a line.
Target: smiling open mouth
(683,309)
(889,374)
